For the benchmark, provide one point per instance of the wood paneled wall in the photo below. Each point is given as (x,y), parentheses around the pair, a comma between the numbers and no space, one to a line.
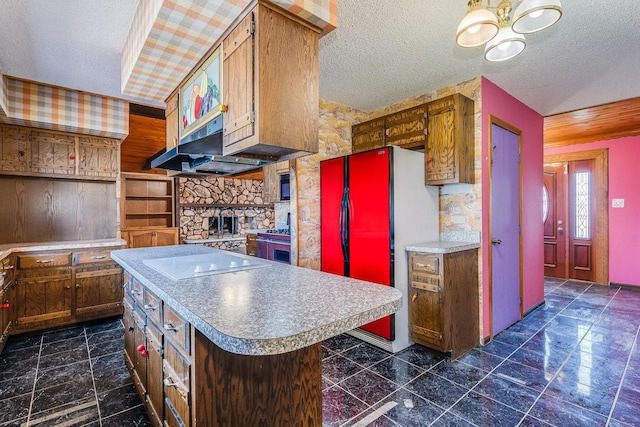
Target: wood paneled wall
(146,138)
(47,210)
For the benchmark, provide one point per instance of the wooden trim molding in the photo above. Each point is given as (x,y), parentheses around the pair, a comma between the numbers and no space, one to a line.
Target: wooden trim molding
(598,123)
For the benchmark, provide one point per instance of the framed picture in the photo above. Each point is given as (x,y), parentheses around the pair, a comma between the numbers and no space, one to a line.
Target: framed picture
(200,96)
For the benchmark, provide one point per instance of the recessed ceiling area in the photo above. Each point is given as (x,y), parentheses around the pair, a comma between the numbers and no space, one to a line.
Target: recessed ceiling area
(382,52)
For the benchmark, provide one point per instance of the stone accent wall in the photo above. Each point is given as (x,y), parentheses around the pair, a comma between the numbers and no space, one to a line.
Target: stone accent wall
(212,196)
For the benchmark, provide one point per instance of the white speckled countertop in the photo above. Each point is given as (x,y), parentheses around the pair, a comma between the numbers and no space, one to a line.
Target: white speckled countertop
(7,249)
(271,310)
(442,247)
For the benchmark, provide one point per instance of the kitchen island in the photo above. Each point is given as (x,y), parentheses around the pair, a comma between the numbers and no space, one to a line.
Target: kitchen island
(236,348)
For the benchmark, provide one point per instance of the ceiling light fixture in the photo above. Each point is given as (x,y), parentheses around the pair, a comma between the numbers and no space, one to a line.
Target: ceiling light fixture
(504,40)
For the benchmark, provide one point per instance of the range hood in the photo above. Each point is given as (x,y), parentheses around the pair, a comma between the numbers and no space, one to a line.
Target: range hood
(201,152)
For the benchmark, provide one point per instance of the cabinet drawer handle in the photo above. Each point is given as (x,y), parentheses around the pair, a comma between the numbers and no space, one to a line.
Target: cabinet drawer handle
(44,261)
(8,267)
(136,292)
(168,382)
(98,257)
(150,307)
(170,327)
(78,286)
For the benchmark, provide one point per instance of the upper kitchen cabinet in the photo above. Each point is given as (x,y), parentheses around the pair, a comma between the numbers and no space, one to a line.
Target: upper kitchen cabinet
(368,135)
(405,129)
(270,85)
(34,152)
(172,119)
(448,151)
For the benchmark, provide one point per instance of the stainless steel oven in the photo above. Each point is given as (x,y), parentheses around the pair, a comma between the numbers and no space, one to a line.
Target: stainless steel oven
(274,246)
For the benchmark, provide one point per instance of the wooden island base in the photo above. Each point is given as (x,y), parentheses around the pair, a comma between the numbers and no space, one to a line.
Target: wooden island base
(275,390)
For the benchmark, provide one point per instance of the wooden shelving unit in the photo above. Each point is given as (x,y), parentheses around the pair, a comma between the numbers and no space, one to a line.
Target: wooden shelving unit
(146,203)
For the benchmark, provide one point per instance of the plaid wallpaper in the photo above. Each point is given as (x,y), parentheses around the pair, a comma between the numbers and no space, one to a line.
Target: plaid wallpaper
(168,37)
(47,107)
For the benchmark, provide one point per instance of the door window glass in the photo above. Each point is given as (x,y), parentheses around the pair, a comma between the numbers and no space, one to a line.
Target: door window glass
(582,220)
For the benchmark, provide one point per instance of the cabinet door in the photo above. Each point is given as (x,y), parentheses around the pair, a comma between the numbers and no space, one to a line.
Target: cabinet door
(426,305)
(172,117)
(140,352)
(155,388)
(406,128)
(52,153)
(177,383)
(238,84)
(7,304)
(98,293)
(129,332)
(13,149)
(367,136)
(449,151)
(98,157)
(166,237)
(44,301)
(141,239)
(271,183)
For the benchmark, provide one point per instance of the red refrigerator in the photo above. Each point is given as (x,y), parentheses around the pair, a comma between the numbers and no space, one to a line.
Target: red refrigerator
(373,204)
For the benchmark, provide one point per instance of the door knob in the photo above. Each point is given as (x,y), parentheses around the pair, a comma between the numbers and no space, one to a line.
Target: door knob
(496,241)
(560,229)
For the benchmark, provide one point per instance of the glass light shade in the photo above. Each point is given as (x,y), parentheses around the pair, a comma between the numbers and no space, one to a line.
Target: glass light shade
(535,15)
(505,45)
(477,27)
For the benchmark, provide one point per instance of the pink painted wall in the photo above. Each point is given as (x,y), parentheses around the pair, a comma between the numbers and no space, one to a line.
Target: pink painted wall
(624,232)
(498,103)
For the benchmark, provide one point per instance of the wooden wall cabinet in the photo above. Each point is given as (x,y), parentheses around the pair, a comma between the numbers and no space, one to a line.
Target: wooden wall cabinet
(443,300)
(172,117)
(36,152)
(58,288)
(270,85)
(449,148)
(271,184)
(405,129)
(147,210)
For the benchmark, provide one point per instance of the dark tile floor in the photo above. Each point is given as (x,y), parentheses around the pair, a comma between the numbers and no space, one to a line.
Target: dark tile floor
(572,362)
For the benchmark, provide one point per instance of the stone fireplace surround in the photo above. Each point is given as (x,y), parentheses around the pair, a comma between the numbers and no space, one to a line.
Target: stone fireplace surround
(211,197)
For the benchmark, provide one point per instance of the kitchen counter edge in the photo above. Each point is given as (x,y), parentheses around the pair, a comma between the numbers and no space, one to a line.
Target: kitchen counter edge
(442,247)
(8,249)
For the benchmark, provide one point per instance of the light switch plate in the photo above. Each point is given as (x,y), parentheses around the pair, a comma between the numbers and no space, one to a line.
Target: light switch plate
(617,203)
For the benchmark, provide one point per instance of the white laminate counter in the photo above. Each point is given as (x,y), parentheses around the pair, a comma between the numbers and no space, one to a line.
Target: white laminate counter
(270,310)
(442,247)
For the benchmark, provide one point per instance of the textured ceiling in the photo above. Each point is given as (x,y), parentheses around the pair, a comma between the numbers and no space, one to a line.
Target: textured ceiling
(382,51)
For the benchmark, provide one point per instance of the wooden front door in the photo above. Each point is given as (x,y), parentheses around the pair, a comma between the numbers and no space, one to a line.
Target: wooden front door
(555,217)
(569,220)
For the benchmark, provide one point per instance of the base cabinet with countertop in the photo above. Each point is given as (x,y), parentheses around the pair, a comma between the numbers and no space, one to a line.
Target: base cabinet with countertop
(7,298)
(443,296)
(224,363)
(60,286)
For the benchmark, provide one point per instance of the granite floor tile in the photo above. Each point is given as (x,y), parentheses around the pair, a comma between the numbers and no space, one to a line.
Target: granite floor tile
(512,337)
(460,373)
(549,362)
(134,417)
(560,413)
(62,334)
(436,389)
(73,372)
(507,392)
(338,368)
(14,408)
(481,359)
(530,421)
(397,370)
(18,342)
(68,344)
(450,420)
(339,406)
(499,348)
(108,380)
(581,395)
(421,356)
(626,411)
(67,415)
(524,375)
(103,325)
(107,363)
(63,394)
(372,418)
(408,409)
(482,411)
(48,361)
(105,343)
(368,386)
(365,355)
(16,386)
(118,399)
(341,342)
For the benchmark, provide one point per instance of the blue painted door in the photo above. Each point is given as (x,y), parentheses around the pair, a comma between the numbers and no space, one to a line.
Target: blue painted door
(505,228)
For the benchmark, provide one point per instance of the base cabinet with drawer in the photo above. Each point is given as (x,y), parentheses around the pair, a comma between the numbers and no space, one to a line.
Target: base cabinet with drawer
(443,300)
(54,288)
(7,298)
(157,352)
